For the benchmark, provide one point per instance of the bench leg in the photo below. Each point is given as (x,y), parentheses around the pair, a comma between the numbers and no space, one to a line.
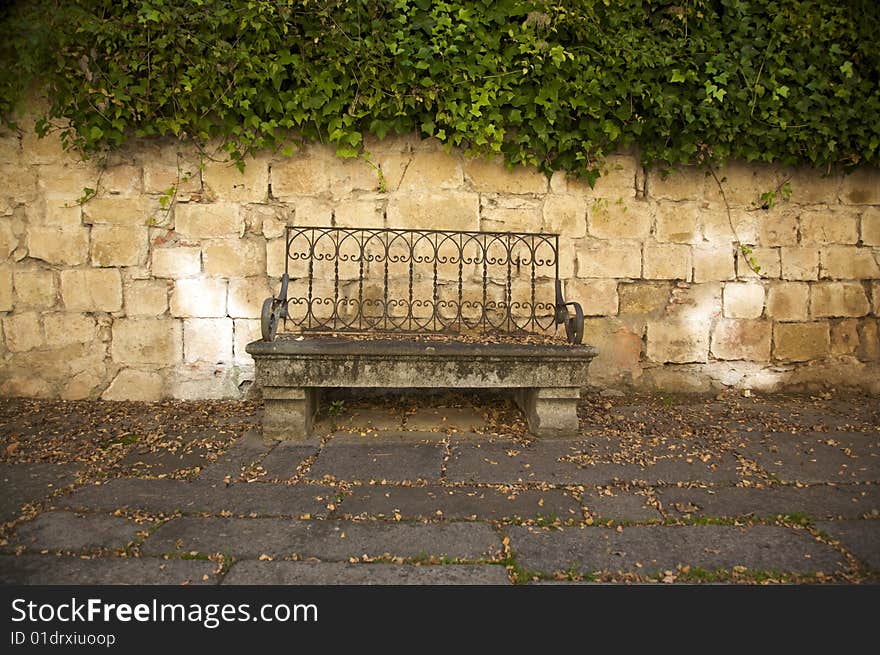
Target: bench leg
(552,411)
(289,413)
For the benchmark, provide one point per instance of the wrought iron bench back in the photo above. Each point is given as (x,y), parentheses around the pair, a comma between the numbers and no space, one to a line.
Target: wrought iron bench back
(340,279)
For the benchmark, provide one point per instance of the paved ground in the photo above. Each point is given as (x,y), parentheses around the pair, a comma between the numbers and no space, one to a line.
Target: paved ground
(653,489)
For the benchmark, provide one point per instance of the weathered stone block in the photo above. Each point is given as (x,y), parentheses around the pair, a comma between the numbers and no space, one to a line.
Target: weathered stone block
(844,336)
(147,341)
(306,173)
(122,179)
(666,261)
(447,211)
(8,239)
(801,342)
(6,295)
(430,170)
(207,340)
(714,263)
(209,221)
(743,183)
(59,211)
(276,255)
(743,300)
(643,298)
(510,213)
(34,287)
(849,263)
(778,227)
(565,215)
(619,352)
(67,177)
(869,340)
(234,257)
(23,332)
(309,212)
(118,210)
(685,183)
(716,225)
(359,213)
(223,181)
(829,226)
(356,174)
(875,298)
(244,331)
(177,262)
(246,297)
(677,341)
(800,263)
(146,298)
(114,245)
(788,301)
(617,220)
(92,289)
(613,261)
(870,227)
(199,298)
(811,187)
(742,339)
(132,384)
(597,297)
(766,259)
(861,187)
(678,223)
(620,176)
(838,299)
(65,328)
(84,385)
(64,247)
(160,176)
(492,176)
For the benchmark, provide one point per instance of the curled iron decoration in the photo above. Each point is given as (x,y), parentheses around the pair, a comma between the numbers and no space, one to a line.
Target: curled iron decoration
(339,279)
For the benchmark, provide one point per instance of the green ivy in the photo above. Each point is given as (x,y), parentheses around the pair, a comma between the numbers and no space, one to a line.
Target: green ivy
(555,84)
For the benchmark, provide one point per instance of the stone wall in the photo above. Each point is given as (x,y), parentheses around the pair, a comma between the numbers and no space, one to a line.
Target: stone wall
(120,298)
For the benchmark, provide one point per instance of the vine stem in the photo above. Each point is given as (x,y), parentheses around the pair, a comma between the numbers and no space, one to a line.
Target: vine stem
(737,240)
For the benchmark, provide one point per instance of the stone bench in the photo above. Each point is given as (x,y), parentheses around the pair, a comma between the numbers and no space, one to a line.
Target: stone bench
(416,326)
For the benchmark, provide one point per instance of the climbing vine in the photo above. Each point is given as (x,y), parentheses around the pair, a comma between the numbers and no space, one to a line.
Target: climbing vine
(557,84)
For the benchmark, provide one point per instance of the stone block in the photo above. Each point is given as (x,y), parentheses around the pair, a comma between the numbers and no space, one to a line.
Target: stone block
(276,256)
(800,263)
(234,257)
(778,227)
(829,299)
(620,350)
(826,226)
(676,341)
(617,220)
(620,175)
(34,288)
(306,173)
(684,183)
(716,225)
(146,298)
(177,262)
(8,239)
(743,183)
(742,339)
(869,340)
(624,260)
(788,301)
(132,384)
(63,247)
(714,263)
(870,226)
(307,211)
(510,214)
(59,211)
(767,261)
(743,300)
(801,342)
(147,341)
(643,298)
(844,337)
(447,211)
(848,263)
(667,261)
(244,331)
(492,176)
(162,176)
(199,298)
(597,297)
(208,221)
(246,297)
(6,295)
(84,385)
(118,210)
(114,245)
(431,170)
(92,289)
(23,332)
(207,340)
(565,215)
(861,187)
(354,174)
(678,223)
(223,181)
(66,176)
(811,187)
(875,297)
(359,213)
(122,179)
(66,328)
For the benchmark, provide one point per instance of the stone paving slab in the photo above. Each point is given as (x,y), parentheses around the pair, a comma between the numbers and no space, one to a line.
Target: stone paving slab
(660,548)
(282,462)
(334,573)
(241,454)
(819,501)
(25,483)
(826,457)
(861,538)
(621,506)
(325,540)
(167,496)
(459,503)
(51,570)
(391,462)
(75,532)
(143,461)
(441,419)
(368,419)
